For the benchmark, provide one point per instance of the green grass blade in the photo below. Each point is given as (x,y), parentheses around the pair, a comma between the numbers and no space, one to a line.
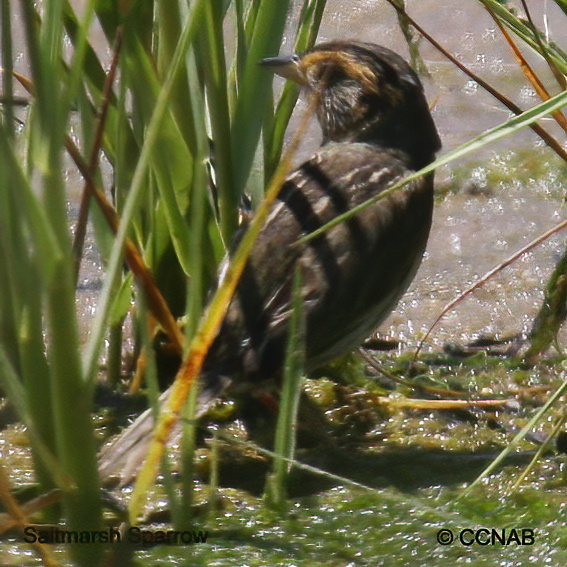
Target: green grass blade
(29,209)
(211,54)
(284,444)
(18,396)
(71,397)
(562,4)
(254,96)
(7,67)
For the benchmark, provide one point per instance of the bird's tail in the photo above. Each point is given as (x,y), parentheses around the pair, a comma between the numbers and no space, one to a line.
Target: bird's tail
(122,458)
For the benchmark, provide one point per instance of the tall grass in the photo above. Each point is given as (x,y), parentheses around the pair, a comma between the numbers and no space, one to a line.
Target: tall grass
(184,104)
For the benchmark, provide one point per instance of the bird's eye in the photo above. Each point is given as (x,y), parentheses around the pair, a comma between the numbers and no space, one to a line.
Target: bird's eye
(295,58)
(331,74)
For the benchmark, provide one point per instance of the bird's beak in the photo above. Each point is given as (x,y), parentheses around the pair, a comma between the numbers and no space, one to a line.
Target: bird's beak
(285,66)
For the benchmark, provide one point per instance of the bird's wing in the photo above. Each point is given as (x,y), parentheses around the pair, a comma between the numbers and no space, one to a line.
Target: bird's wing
(337,178)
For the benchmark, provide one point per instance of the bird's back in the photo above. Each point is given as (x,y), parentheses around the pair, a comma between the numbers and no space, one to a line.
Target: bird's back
(352,276)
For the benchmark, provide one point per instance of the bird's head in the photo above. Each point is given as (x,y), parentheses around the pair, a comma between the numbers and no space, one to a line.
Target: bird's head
(367,93)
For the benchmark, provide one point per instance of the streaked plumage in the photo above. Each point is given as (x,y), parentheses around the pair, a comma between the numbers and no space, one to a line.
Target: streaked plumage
(376,129)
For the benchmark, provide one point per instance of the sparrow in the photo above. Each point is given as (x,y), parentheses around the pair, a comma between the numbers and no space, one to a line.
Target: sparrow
(376,129)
